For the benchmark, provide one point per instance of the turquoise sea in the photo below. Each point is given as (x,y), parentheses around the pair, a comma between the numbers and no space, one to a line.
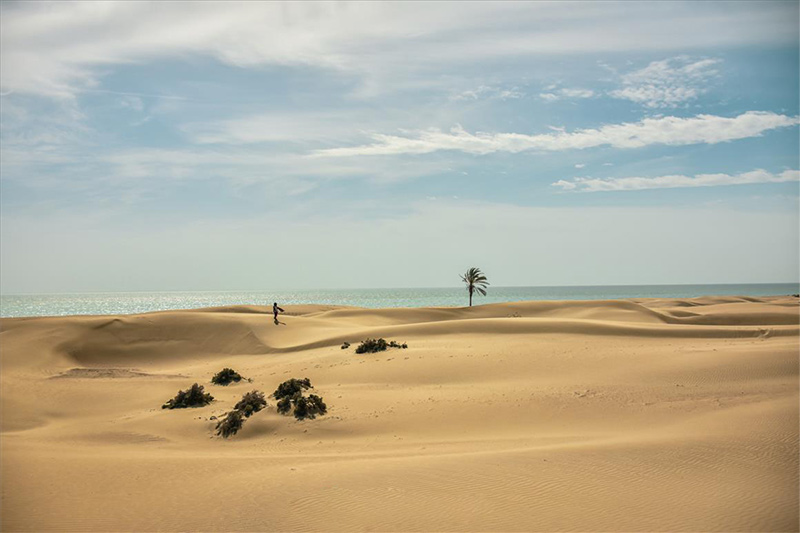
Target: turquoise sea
(140,302)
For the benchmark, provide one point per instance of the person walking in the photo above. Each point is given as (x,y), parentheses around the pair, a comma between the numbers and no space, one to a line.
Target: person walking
(275,310)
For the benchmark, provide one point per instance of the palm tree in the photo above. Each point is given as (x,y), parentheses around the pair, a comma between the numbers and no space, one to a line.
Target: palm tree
(476,282)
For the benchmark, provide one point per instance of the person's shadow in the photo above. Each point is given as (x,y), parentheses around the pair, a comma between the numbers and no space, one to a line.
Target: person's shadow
(279,323)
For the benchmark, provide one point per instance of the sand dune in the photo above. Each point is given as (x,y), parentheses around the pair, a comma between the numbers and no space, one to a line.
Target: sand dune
(626,415)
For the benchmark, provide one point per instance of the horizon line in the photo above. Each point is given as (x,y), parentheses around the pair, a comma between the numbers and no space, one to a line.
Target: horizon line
(4,294)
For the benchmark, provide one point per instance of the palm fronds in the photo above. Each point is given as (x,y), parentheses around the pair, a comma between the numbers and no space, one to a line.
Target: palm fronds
(476,282)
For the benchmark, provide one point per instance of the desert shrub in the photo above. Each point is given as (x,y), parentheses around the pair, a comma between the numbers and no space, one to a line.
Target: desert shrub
(372,346)
(230,424)
(304,407)
(191,397)
(345,345)
(309,407)
(291,387)
(251,402)
(226,376)
(285,404)
(290,399)
(378,345)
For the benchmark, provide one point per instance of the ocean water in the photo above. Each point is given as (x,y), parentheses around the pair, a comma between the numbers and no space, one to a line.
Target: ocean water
(21,305)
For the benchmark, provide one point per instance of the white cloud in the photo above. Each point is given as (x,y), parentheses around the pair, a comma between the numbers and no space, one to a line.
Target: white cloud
(59,49)
(668,83)
(490,93)
(566,93)
(580,165)
(674,131)
(676,181)
(577,93)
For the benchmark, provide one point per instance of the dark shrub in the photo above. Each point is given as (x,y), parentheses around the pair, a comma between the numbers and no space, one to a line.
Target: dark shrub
(290,399)
(345,345)
(291,387)
(377,345)
(393,344)
(285,404)
(226,376)
(304,407)
(372,346)
(309,407)
(251,402)
(192,397)
(230,424)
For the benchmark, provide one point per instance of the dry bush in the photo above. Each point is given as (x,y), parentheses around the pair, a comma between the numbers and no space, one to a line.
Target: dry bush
(192,397)
(291,387)
(378,345)
(229,425)
(290,399)
(226,376)
(252,402)
(309,407)
(372,346)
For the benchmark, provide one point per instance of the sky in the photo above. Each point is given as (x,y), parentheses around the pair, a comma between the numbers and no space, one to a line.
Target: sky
(251,146)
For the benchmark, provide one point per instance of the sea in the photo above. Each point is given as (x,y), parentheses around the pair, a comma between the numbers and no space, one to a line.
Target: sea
(115,303)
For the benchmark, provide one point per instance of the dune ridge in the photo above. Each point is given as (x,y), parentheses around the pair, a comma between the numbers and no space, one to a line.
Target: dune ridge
(618,415)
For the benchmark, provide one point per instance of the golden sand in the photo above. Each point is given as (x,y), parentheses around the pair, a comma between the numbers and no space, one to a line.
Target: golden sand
(634,415)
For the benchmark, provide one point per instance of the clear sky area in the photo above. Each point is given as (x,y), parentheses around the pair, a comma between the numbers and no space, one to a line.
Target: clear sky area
(236,146)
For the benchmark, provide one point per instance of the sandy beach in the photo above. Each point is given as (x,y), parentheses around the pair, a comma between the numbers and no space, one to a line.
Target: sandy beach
(618,415)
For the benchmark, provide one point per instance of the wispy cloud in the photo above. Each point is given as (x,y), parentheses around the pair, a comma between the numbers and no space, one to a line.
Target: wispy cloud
(489,92)
(154,96)
(134,103)
(146,172)
(669,82)
(560,94)
(329,125)
(675,131)
(293,126)
(676,181)
(60,49)
(24,125)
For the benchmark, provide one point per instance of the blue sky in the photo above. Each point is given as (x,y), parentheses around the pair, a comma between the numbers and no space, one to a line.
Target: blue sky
(214,146)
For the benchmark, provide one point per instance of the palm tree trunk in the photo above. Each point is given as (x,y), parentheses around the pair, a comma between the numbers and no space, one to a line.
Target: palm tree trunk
(470,298)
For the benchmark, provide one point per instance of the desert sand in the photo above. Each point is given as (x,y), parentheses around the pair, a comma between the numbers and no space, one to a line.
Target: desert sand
(629,415)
